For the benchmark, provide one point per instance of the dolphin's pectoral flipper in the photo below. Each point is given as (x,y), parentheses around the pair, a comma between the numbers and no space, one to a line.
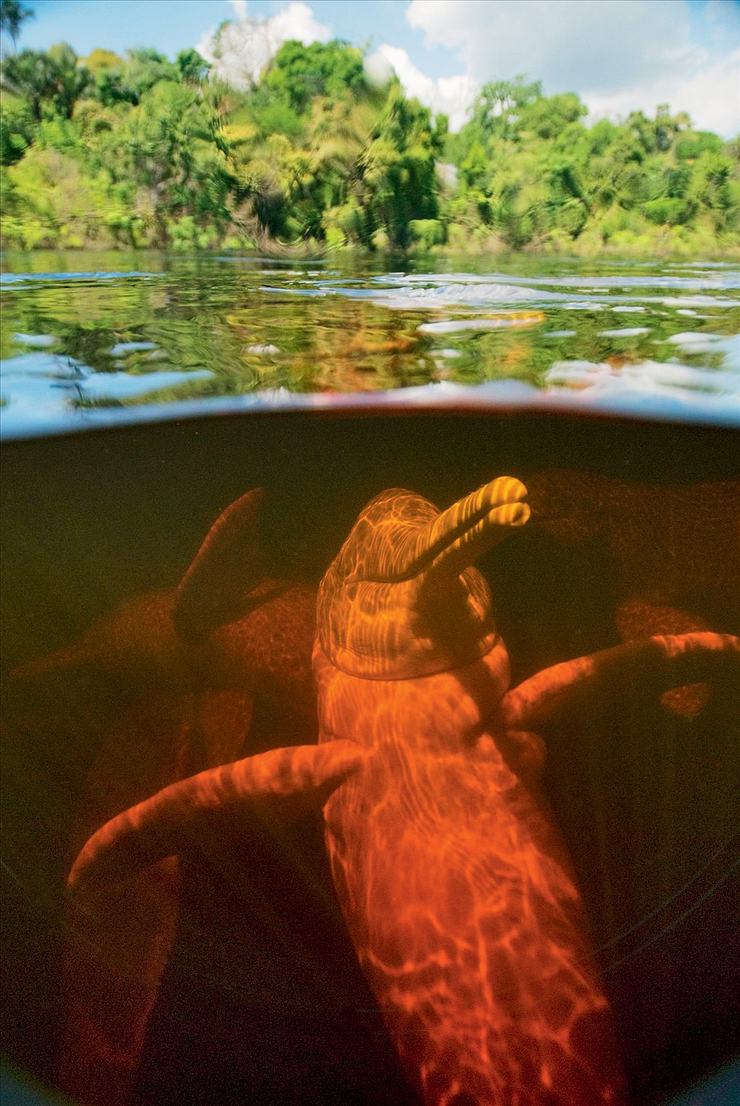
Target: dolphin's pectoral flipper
(228,563)
(648,668)
(282,785)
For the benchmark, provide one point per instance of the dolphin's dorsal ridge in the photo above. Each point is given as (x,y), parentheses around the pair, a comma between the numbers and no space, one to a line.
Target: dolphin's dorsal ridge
(228,564)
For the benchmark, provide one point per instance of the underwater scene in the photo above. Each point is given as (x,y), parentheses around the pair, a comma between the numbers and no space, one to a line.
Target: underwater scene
(371,756)
(370,694)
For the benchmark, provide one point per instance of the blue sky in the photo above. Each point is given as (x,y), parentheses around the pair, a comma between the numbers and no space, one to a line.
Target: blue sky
(172,25)
(617,54)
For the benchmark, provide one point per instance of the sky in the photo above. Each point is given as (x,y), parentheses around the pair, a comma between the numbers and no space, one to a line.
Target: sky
(618,55)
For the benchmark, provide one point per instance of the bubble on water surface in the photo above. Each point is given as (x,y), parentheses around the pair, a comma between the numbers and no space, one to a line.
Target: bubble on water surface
(262,348)
(691,338)
(731,279)
(293,291)
(727,346)
(625,332)
(122,348)
(693,301)
(469,294)
(652,377)
(40,364)
(39,388)
(40,341)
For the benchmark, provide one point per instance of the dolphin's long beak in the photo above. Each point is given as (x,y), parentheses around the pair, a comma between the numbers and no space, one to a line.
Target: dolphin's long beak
(464,531)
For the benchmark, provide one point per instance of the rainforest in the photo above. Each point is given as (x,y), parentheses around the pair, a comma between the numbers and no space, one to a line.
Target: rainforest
(135,151)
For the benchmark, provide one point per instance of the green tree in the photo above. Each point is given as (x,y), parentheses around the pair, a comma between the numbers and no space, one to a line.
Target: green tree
(97,61)
(550,116)
(126,80)
(50,81)
(500,104)
(25,76)
(142,150)
(299,73)
(17,129)
(171,147)
(193,69)
(13,14)
(68,80)
(397,169)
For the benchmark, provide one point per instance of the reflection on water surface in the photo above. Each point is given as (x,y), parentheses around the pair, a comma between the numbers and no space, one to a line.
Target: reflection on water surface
(83,343)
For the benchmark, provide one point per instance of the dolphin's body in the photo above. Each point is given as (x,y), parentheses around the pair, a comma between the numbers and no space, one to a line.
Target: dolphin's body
(455,884)
(454,881)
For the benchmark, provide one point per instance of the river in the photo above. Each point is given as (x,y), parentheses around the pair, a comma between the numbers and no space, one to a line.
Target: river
(95,339)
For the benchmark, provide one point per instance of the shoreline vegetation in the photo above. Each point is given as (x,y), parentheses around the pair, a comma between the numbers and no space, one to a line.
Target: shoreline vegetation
(136,152)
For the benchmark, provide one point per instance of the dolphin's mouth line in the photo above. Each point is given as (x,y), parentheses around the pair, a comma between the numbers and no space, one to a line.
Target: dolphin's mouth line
(473,524)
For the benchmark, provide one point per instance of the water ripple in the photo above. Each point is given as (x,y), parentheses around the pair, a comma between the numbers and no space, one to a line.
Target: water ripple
(10,279)
(82,347)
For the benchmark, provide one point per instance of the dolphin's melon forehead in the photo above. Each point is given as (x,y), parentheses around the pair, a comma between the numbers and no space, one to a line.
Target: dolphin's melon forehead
(383,528)
(402,598)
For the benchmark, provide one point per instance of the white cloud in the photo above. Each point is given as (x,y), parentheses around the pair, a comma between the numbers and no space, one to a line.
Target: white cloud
(711,96)
(451,95)
(240,51)
(591,45)
(617,54)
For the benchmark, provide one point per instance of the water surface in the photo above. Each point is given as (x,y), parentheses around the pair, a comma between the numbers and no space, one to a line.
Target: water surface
(100,338)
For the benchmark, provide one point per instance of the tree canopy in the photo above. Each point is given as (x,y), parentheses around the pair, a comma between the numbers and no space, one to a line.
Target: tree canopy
(141,150)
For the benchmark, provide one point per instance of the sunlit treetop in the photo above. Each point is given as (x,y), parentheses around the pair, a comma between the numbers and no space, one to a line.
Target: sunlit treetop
(299,73)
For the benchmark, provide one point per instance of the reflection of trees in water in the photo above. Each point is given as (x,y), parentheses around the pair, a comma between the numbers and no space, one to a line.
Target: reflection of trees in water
(257,325)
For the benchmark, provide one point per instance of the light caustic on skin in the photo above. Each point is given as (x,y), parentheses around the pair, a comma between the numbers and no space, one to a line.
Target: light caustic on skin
(455,884)
(454,881)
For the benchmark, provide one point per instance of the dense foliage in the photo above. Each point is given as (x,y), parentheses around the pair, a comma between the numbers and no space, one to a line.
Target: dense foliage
(531,171)
(144,151)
